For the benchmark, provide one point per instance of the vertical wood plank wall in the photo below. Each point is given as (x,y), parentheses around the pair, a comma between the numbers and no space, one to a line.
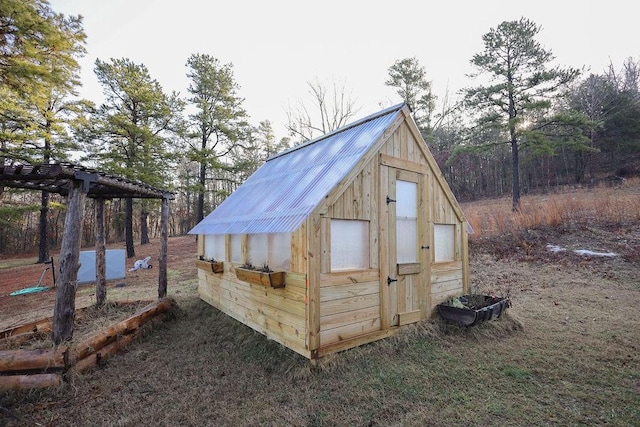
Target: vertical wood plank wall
(446,279)
(348,300)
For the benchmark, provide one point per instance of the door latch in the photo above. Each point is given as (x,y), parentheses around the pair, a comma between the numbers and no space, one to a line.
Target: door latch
(390,280)
(390,200)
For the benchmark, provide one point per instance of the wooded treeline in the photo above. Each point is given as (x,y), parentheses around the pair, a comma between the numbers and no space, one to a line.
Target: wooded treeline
(550,125)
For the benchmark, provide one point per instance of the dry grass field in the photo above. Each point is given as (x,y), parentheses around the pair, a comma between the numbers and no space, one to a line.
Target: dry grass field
(567,352)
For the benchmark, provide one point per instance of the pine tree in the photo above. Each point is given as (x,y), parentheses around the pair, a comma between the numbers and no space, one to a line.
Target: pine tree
(517,101)
(130,133)
(218,124)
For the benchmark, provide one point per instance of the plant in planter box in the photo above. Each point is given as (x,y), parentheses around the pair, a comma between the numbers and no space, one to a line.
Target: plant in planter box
(210,265)
(260,275)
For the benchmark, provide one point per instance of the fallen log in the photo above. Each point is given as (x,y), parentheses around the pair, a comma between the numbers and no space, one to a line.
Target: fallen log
(98,356)
(125,302)
(38,359)
(125,327)
(27,382)
(42,325)
(99,340)
(19,339)
(148,312)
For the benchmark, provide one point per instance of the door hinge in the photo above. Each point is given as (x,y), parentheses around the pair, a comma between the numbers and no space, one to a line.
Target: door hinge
(389,200)
(390,281)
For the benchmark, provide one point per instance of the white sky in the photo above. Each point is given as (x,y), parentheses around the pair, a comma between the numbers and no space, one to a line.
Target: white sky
(276,46)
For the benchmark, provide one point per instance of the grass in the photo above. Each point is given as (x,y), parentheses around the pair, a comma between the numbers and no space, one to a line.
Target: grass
(17,262)
(566,208)
(565,353)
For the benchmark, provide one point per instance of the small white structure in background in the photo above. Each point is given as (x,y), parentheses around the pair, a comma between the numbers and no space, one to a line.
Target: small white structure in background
(141,264)
(585,252)
(555,248)
(114,265)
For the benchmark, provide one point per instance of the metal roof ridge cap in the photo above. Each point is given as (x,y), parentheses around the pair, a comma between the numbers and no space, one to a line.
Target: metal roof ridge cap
(368,118)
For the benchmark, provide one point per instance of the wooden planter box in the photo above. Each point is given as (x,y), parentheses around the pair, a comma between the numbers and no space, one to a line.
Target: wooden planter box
(274,279)
(213,266)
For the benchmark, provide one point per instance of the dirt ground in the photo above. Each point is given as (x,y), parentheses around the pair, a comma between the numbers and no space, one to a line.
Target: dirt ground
(566,354)
(19,273)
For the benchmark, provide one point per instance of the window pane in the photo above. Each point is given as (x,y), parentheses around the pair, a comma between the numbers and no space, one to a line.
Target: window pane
(236,248)
(279,250)
(406,221)
(214,247)
(444,241)
(257,249)
(349,244)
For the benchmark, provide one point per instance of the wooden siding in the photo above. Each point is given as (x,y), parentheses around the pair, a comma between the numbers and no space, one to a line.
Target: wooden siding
(446,281)
(280,314)
(299,254)
(349,305)
(358,198)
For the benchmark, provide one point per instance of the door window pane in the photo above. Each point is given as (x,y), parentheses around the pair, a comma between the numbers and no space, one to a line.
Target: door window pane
(406,221)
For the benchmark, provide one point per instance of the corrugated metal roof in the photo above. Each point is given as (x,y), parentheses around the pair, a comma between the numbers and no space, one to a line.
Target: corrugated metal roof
(284,191)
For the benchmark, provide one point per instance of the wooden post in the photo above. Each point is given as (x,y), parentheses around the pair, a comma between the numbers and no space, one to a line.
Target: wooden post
(101,276)
(313,283)
(65,305)
(162,262)
(383,244)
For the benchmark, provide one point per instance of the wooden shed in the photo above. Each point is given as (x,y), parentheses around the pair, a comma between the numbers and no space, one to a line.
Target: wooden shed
(360,228)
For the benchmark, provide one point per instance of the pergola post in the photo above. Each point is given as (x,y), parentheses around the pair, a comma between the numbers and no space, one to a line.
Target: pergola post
(77,183)
(101,276)
(65,305)
(162,261)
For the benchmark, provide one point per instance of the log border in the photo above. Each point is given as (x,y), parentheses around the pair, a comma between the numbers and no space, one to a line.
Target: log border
(43,368)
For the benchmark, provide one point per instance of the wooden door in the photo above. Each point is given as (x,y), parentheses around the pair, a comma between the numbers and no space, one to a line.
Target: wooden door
(404,247)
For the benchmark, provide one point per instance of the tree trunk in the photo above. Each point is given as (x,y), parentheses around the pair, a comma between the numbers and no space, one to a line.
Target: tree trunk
(144,227)
(64,310)
(101,276)
(43,252)
(515,176)
(203,188)
(128,224)
(162,262)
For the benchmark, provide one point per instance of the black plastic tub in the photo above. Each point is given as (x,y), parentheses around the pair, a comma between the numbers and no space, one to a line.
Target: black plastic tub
(475,309)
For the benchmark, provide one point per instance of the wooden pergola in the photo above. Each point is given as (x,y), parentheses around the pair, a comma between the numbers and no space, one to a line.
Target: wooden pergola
(76,183)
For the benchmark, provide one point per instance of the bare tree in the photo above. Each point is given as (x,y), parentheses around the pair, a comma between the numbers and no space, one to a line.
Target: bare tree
(330,108)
